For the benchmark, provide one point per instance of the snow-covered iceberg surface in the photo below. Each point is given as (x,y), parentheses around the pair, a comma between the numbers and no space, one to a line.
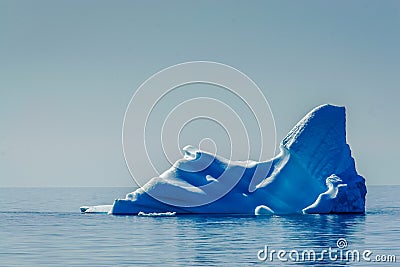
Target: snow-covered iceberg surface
(313,173)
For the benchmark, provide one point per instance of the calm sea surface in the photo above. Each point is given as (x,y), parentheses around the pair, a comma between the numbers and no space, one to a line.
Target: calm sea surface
(44,227)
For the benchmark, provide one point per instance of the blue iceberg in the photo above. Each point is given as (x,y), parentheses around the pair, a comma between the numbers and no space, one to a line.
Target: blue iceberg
(313,173)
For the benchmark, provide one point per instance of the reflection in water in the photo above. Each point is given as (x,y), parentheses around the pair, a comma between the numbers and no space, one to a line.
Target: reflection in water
(233,235)
(316,231)
(53,232)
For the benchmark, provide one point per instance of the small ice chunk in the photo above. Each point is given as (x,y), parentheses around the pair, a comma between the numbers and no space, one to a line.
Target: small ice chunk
(156,214)
(96,209)
(263,210)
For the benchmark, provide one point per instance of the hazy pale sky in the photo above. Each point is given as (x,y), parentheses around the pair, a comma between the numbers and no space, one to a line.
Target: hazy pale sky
(69,68)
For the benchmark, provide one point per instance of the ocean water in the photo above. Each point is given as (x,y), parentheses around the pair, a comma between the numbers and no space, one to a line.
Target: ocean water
(44,227)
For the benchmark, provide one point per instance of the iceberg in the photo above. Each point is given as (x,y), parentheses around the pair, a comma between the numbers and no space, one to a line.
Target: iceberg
(313,173)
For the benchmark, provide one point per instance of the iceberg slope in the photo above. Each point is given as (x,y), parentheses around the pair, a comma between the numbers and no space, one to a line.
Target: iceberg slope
(317,149)
(313,173)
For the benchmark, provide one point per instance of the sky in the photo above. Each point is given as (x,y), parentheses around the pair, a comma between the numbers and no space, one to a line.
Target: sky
(68,70)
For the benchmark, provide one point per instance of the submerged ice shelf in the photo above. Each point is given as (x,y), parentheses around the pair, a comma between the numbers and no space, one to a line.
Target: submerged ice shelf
(313,173)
